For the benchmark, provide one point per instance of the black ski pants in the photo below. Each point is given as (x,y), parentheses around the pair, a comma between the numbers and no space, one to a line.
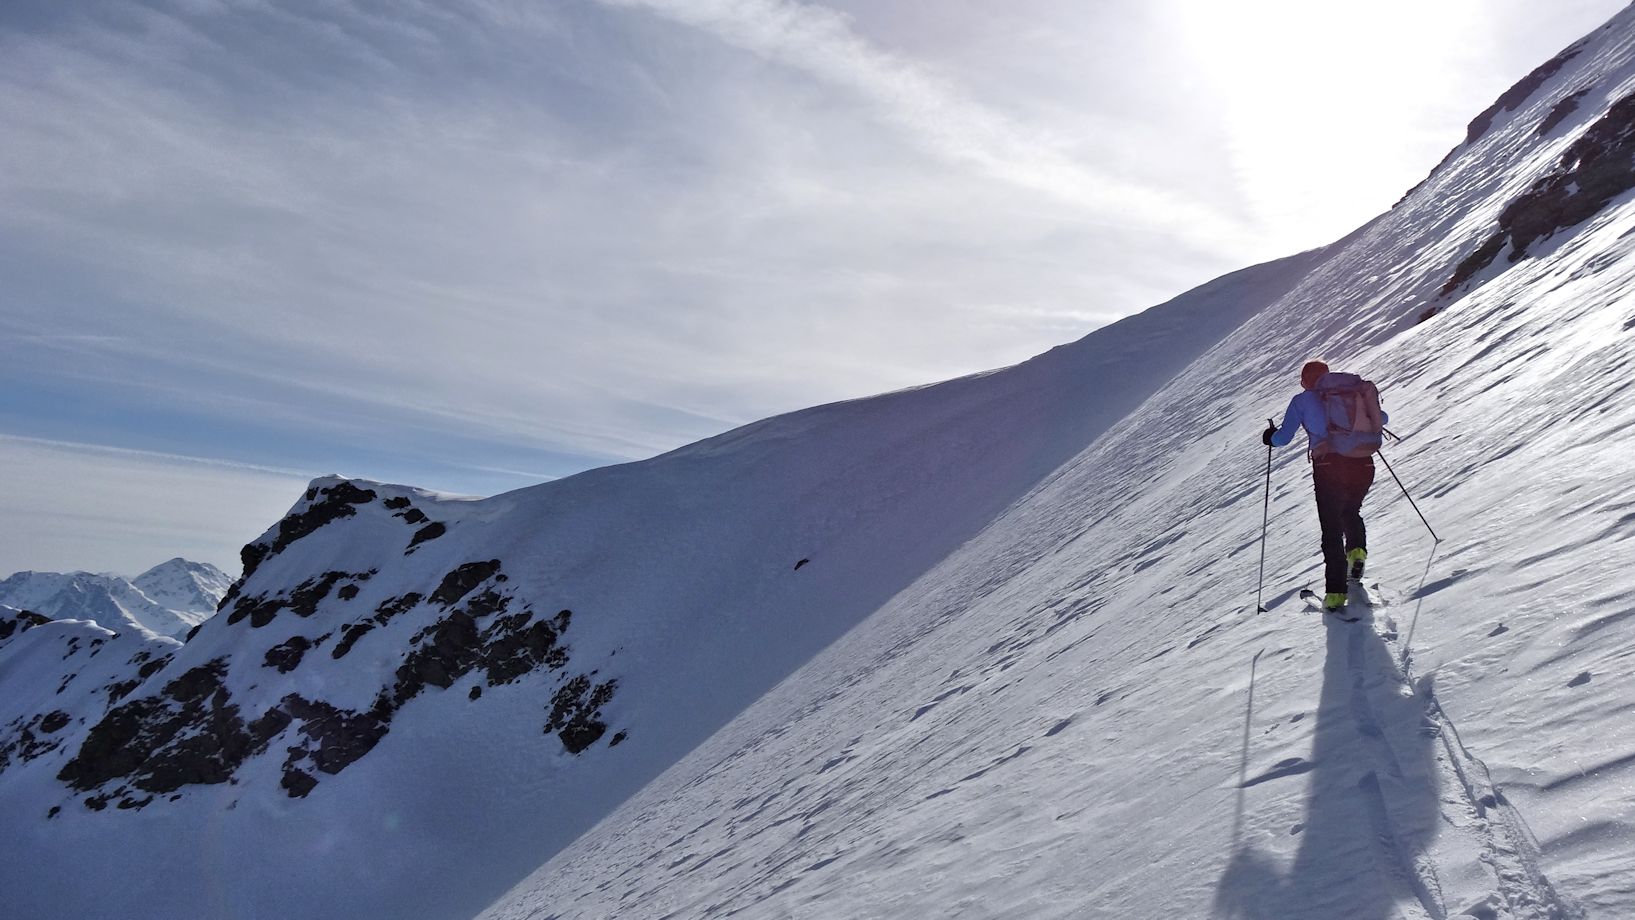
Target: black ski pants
(1342,483)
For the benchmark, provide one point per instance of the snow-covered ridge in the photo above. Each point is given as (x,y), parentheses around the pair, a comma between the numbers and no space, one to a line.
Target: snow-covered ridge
(1079,713)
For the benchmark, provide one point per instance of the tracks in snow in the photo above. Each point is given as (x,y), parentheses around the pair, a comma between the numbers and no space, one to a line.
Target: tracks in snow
(1469,799)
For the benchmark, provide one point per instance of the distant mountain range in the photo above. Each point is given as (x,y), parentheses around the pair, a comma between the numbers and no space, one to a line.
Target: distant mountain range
(167,600)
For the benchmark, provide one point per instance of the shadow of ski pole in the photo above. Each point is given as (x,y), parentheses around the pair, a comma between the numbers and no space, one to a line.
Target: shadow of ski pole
(1243,760)
(1371,805)
(1405,660)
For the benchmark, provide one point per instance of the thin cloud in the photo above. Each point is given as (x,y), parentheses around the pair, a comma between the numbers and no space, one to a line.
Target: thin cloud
(98,508)
(822,43)
(449,243)
(149,456)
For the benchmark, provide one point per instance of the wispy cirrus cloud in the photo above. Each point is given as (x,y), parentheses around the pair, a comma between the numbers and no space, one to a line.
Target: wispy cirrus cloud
(477,243)
(119,510)
(934,113)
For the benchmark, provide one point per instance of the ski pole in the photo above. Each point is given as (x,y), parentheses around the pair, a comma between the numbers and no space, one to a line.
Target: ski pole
(1265,518)
(1411,501)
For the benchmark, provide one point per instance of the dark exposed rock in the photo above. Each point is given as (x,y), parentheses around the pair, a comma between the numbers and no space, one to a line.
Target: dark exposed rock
(329,504)
(297,783)
(1509,101)
(22,622)
(394,504)
(516,646)
(452,651)
(429,532)
(326,504)
(152,667)
(250,558)
(1594,170)
(28,741)
(334,737)
(1524,88)
(508,648)
(347,592)
(575,714)
(392,606)
(189,734)
(286,655)
(458,583)
(618,738)
(384,613)
(412,516)
(350,634)
(302,601)
(192,730)
(1567,106)
(487,603)
(260,610)
(801,563)
(193,632)
(118,690)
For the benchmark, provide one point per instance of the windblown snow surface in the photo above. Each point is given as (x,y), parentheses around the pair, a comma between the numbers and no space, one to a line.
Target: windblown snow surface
(987,648)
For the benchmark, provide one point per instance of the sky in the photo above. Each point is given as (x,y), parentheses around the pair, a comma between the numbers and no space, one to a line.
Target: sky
(474,245)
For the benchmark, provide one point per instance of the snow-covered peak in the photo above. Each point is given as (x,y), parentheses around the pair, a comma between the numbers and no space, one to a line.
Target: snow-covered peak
(187,594)
(178,584)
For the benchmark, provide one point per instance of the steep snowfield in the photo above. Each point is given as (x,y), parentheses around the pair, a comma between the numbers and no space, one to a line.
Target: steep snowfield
(1040,687)
(1080,714)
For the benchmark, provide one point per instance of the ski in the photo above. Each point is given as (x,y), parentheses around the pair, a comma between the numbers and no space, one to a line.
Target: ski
(1315,602)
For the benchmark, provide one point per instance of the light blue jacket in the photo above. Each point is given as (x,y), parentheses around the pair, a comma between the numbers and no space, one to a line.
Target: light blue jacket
(1306,411)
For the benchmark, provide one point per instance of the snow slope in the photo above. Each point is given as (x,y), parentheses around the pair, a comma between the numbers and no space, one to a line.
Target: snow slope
(1080,714)
(167,600)
(448,740)
(687,601)
(983,648)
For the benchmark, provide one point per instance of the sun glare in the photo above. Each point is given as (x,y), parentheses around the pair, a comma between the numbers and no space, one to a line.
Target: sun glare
(1323,102)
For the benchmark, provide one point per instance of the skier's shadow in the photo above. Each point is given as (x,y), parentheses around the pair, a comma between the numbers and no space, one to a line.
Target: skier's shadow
(1371,802)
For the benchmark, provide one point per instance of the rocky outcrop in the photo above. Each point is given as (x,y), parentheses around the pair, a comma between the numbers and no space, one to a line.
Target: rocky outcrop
(302,600)
(194,731)
(1559,113)
(286,655)
(1594,170)
(1513,97)
(190,733)
(576,712)
(324,504)
(20,621)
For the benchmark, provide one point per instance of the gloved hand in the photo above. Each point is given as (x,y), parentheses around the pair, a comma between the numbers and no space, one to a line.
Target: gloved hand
(1266,436)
